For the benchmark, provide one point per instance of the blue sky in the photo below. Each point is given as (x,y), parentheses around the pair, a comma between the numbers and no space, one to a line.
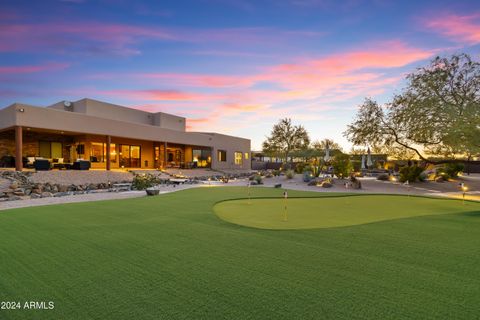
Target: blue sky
(228,65)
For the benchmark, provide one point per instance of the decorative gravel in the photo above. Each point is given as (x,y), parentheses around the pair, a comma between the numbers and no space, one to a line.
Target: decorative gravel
(78,177)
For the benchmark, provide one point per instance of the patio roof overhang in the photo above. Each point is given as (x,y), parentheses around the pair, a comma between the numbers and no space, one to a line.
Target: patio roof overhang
(64,121)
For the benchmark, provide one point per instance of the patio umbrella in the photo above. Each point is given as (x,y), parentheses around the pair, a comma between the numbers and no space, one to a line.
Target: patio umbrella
(363,162)
(369,158)
(327,154)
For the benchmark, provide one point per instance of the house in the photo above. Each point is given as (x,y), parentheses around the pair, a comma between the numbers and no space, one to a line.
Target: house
(112,136)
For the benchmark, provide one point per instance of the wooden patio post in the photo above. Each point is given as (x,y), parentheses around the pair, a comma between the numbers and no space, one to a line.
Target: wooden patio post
(165,155)
(107,155)
(18,148)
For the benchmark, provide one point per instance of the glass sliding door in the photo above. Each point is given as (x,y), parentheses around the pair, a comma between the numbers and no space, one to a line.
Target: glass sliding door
(129,156)
(135,159)
(124,156)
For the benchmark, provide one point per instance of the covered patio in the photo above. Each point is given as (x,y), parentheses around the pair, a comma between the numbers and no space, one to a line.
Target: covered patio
(44,149)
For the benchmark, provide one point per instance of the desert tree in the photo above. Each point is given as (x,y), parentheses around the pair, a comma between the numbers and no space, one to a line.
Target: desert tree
(286,138)
(436,115)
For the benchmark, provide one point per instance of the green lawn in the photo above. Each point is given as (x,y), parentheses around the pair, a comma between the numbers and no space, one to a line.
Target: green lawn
(340,211)
(171,257)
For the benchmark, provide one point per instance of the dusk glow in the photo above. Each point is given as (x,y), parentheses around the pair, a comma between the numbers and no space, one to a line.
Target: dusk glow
(229,66)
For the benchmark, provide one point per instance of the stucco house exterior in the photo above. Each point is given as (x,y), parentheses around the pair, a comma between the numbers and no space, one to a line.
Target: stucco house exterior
(112,136)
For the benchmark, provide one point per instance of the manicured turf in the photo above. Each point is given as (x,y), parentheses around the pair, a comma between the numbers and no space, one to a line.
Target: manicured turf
(333,211)
(171,257)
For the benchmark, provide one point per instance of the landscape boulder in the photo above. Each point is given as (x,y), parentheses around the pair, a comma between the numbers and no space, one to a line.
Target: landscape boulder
(326,184)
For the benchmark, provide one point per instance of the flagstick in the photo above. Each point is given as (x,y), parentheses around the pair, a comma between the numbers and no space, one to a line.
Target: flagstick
(249,196)
(285,195)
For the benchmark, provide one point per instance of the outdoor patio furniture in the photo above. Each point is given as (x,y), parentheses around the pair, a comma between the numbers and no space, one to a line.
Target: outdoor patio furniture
(41,165)
(58,163)
(81,165)
(7,162)
(30,162)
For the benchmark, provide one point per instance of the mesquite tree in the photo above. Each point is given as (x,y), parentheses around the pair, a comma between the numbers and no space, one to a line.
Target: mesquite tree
(436,115)
(285,138)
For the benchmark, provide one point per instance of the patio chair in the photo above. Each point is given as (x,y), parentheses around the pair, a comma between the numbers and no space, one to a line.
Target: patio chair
(41,165)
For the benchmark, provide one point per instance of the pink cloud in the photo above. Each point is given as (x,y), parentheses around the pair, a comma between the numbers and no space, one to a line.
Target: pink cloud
(199,80)
(456,27)
(314,83)
(13,70)
(308,88)
(155,95)
(390,54)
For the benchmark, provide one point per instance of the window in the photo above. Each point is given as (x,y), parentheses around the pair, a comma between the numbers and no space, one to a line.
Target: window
(96,152)
(246,155)
(49,149)
(238,158)
(222,155)
(130,156)
(202,158)
(113,152)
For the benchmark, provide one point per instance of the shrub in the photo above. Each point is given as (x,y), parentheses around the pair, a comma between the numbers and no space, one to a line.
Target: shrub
(300,167)
(410,174)
(423,176)
(258,179)
(342,167)
(451,170)
(290,174)
(276,172)
(144,181)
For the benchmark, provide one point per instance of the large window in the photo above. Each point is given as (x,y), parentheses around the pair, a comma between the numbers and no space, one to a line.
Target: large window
(98,152)
(222,155)
(50,150)
(247,155)
(238,158)
(202,157)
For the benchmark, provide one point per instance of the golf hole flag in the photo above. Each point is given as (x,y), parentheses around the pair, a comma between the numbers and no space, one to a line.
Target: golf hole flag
(285,196)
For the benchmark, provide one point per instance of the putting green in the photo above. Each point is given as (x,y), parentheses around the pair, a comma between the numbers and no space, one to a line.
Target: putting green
(328,212)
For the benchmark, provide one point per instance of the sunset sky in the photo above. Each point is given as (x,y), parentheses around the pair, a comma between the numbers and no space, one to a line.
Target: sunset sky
(229,66)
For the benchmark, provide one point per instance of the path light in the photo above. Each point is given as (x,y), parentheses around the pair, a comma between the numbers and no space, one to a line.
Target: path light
(407,183)
(464,190)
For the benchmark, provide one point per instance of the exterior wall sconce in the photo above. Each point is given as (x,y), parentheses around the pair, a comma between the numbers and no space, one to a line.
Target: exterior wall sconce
(21,110)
